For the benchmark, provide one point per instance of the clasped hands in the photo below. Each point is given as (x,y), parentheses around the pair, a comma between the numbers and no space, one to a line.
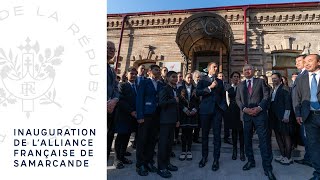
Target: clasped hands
(252,111)
(190,113)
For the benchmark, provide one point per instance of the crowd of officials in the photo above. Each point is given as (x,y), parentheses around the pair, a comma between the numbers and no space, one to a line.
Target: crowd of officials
(156,104)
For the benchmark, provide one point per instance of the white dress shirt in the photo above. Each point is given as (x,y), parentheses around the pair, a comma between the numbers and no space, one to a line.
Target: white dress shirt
(273,95)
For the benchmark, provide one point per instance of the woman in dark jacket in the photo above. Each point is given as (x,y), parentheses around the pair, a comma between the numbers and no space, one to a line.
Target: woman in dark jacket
(232,116)
(189,105)
(279,114)
(169,116)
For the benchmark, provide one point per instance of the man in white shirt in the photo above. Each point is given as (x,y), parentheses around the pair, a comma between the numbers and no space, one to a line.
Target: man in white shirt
(307,108)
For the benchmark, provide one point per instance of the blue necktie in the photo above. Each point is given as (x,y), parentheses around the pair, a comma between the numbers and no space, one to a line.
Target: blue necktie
(314,88)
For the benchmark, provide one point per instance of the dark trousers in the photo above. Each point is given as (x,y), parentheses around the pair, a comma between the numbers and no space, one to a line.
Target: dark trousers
(235,134)
(226,131)
(165,145)
(284,143)
(261,125)
(305,142)
(176,133)
(120,145)
(110,133)
(208,121)
(186,139)
(146,142)
(312,125)
(196,130)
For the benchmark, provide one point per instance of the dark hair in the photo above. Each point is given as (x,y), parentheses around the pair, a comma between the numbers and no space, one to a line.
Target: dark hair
(170,73)
(283,77)
(235,72)
(277,74)
(131,69)
(295,73)
(152,66)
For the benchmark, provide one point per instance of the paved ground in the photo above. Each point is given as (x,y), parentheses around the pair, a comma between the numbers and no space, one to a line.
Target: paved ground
(229,169)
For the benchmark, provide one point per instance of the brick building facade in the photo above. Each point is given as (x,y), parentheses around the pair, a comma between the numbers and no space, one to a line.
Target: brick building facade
(267,36)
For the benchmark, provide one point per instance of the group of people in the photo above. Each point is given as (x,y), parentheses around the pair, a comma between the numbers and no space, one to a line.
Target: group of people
(158,105)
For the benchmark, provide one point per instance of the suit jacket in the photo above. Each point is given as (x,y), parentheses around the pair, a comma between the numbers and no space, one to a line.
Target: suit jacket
(294,91)
(211,100)
(302,98)
(147,98)
(141,79)
(169,108)
(259,96)
(112,84)
(281,101)
(124,122)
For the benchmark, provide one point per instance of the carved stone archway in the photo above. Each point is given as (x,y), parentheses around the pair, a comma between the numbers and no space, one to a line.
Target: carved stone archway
(203,32)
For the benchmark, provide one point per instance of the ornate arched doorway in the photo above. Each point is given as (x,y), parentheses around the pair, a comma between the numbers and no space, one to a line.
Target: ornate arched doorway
(203,38)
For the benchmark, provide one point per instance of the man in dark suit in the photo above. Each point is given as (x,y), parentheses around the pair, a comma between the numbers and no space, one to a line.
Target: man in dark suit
(212,106)
(112,95)
(140,77)
(125,117)
(252,98)
(307,108)
(300,66)
(148,120)
(169,117)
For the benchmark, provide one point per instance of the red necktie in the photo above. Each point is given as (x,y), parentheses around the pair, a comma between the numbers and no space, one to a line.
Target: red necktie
(249,87)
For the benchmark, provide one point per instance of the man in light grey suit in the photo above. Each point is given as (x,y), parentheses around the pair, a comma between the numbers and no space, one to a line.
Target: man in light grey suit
(112,95)
(307,108)
(300,66)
